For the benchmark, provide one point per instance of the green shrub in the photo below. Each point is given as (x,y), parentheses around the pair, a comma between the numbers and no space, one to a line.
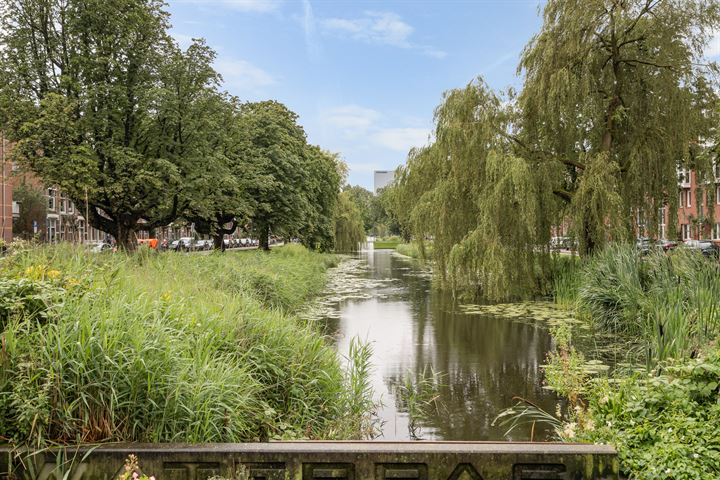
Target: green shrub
(663,426)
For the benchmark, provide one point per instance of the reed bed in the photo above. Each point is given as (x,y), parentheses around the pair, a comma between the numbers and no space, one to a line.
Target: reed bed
(169,347)
(667,302)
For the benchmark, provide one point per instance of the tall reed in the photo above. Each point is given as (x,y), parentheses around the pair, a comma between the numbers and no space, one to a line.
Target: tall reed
(169,347)
(668,302)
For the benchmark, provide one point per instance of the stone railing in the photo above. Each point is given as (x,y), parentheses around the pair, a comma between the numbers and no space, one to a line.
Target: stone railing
(322,460)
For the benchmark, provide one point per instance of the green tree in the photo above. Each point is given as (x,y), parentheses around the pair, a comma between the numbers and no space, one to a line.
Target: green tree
(362,198)
(82,97)
(487,209)
(274,144)
(198,130)
(616,96)
(349,227)
(325,173)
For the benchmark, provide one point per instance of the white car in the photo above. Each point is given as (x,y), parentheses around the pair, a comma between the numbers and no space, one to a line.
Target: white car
(98,247)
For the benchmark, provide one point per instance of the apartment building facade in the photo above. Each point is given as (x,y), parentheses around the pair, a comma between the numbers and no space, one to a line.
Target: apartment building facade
(698,215)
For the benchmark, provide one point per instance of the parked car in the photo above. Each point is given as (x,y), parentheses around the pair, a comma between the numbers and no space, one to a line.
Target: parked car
(562,243)
(665,245)
(99,247)
(184,244)
(706,247)
(202,245)
(644,245)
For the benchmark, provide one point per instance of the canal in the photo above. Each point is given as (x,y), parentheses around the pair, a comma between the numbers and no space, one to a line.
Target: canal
(482,361)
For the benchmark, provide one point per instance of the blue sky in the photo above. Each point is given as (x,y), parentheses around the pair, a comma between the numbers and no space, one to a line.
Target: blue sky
(364,76)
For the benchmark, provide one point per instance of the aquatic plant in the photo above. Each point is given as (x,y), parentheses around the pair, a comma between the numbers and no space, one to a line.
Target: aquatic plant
(418,396)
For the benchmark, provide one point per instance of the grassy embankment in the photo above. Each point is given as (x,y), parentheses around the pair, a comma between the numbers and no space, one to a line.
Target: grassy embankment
(168,347)
(412,250)
(664,416)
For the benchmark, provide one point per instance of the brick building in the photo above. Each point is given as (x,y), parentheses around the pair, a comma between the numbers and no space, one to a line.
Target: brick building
(6,192)
(698,215)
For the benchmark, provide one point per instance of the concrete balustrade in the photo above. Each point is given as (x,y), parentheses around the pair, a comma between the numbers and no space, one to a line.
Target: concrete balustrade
(322,460)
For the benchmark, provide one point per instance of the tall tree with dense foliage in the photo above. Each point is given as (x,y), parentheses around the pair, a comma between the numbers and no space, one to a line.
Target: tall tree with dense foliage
(82,90)
(325,173)
(275,145)
(616,97)
(199,130)
(362,198)
(349,227)
(487,210)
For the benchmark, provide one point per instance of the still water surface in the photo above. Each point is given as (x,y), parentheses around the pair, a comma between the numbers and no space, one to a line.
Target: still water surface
(486,361)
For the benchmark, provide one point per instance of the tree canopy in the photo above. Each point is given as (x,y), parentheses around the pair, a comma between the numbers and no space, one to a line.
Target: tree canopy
(104,104)
(616,97)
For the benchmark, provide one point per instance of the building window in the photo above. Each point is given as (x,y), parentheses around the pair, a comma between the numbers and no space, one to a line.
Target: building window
(684,175)
(51,229)
(685,231)
(716,232)
(63,202)
(717,194)
(51,199)
(688,196)
(71,207)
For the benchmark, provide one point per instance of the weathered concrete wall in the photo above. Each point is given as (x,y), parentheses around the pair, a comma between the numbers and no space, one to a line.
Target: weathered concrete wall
(325,460)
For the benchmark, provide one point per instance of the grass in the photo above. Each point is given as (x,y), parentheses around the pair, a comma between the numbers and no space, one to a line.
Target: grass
(412,250)
(167,347)
(669,303)
(385,245)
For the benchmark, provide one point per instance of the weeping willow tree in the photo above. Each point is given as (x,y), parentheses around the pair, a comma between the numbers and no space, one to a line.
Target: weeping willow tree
(616,98)
(617,93)
(487,209)
(349,226)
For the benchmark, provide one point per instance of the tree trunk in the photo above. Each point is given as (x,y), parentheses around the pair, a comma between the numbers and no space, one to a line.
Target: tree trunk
(219,241)
(125,238)
(265,238)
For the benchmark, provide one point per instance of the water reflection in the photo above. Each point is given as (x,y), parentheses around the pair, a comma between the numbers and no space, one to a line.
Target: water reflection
(486,360)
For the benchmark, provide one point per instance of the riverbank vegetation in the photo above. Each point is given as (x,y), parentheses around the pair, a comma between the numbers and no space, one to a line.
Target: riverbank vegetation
(659,405)
(349,227)
(160,348)
(588,142)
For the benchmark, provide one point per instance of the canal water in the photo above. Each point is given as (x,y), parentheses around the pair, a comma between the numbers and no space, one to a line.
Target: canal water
(482,361)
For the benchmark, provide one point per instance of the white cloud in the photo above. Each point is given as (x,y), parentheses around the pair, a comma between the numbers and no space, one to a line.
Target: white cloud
(352,120)
(259,6)
(375,27)
(243,76)
(383,28)
(402,139)
(312,45)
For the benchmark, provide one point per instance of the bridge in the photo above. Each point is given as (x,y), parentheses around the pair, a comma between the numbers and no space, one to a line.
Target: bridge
(321,460)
